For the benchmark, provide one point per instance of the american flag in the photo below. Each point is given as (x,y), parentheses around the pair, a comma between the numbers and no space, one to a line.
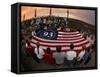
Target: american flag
(64,39)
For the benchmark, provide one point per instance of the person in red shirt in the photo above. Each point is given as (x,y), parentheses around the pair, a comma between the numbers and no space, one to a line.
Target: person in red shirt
(30,51)
(48,56)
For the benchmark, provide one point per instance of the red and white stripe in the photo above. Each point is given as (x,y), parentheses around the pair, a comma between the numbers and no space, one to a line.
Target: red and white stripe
(64,40)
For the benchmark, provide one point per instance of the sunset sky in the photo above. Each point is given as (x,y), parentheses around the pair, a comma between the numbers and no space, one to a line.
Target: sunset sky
(84,15)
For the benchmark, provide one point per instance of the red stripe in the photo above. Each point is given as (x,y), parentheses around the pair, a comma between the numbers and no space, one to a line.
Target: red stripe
(69,36)
(52,45)
(65,50)
(69,33)
(71,41)
(77,50)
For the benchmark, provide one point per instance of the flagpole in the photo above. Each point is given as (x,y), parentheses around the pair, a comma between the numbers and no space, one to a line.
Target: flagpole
(35,15)
(67,14)
(24,17)
(50,11)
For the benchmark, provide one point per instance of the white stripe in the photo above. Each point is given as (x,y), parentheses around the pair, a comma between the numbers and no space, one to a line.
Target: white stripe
(76,35)
(57,44)
(53,44)
(63,48)
(61,38)
(52,48)
(88,44)
(72,40)
(81,42)
(68,32)
(78,48)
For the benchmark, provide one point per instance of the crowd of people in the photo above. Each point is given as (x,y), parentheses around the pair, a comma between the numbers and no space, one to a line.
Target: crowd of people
(33,26)
(71,58)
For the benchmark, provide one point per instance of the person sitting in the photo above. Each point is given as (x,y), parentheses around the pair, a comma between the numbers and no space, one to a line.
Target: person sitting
(39,51)
(92,40)
(59,56)
(87,55)
(63,28)
(45,27)
(48,56)
(89,39)
(81,54)
(33,33)
(71,56)
(30,51)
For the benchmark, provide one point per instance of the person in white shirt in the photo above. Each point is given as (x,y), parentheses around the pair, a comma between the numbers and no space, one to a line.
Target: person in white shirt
(92,39)
(44,21)
(87,56)
(89,39)
(33,33)
(82,53)
(59,56)
(71,56)
(39,51)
